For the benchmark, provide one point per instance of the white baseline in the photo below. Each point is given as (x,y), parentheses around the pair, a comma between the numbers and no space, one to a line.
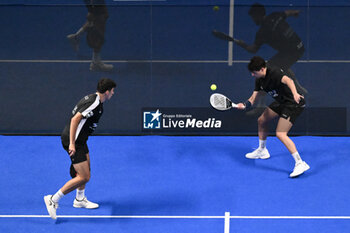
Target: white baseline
(176,217)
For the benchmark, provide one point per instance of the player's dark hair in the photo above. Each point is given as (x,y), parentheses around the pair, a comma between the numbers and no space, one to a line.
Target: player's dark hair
(105,84)
(256,63)
(257,10)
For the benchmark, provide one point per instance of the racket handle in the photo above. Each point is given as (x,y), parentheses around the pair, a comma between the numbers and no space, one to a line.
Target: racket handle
(234,105)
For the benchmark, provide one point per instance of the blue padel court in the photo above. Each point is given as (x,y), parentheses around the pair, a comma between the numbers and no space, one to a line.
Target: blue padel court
(191,180)
(178,184)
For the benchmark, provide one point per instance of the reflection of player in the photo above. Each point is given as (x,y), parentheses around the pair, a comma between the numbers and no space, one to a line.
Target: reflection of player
(288,105)
(276,32)
(95,28)
(84,120)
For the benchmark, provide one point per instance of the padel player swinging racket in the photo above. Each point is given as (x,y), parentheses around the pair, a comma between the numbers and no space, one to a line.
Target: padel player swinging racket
(288,105)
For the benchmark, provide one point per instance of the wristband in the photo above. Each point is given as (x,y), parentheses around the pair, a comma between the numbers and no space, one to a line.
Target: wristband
(248,105)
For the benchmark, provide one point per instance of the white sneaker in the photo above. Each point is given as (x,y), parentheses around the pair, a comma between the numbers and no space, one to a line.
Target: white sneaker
(85,204)
(258,154)
(51,206)
(299,169)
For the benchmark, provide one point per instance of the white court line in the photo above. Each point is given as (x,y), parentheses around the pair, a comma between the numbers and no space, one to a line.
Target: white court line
(290,217)
(157,61)
(114,216)
(177,217)
(230,29)
(227,222)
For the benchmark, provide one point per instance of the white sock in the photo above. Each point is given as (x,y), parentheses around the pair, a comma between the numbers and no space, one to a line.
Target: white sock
(96,58)
(57,196)
(262,144)
(296,157)
(80,194)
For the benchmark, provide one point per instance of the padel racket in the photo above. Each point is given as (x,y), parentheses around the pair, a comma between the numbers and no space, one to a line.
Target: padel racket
(221,102)
(223,36)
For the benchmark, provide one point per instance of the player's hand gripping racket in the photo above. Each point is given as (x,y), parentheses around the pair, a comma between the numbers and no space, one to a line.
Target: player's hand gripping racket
(223,36)
(221,102)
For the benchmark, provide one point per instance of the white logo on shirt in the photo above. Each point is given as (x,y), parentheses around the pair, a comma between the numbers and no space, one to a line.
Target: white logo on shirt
(90,114)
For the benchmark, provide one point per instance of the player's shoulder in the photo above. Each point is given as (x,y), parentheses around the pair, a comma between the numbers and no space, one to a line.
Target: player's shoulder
(275,71)
(92,96)
(88,99)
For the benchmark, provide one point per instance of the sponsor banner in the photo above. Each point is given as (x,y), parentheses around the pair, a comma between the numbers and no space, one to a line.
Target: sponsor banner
(208,120)
(186,120)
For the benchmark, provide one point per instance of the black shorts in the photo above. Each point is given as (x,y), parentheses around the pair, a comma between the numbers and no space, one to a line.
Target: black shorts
(288,111)
(80,152)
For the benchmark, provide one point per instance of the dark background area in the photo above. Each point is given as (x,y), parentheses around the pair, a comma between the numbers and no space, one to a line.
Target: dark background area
(164,57)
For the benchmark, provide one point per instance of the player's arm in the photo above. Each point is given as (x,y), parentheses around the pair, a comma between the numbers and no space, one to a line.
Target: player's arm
(294,13)
(73,130)
(250,102)
(290,83)
(250,48)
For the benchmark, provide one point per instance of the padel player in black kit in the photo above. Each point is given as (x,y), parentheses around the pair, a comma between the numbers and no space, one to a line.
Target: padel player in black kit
(287,106)
(83,122)
(277,33)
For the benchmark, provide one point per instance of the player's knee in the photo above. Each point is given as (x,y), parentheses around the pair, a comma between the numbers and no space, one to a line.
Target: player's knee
(261,120)
(281,135)
(87,178)
(84,179)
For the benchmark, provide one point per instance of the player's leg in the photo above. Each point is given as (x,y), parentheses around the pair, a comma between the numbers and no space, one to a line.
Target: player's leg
(74,39)
(263,128)
(263,122)
(96,38)
(283,127)
(79,171)
(80,200)
(82,187)
(82,176)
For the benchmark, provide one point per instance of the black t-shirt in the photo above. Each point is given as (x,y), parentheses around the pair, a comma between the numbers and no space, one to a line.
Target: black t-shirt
(272,84)
(92,109)
(277,33)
